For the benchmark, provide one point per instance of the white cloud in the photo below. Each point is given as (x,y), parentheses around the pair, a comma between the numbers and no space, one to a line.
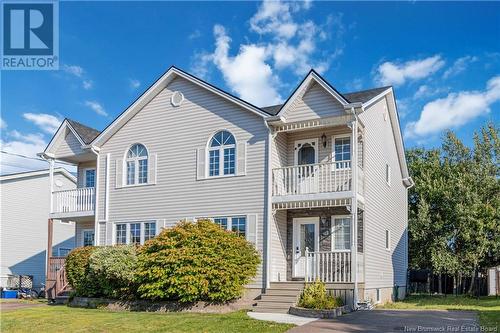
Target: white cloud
(390,73)
(19,144)
(73,70)
(285,44)
(246,73)
(3,124)
(134,84)
(87,84)
(46,122)
(459,66)
(454,110)
(195,34)
(96,107)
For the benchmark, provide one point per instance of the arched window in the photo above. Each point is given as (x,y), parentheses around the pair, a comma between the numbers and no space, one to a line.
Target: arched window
(221,154)
(137,165)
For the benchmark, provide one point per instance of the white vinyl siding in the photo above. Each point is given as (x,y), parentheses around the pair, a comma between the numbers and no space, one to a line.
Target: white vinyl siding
(182,188)
(68,146)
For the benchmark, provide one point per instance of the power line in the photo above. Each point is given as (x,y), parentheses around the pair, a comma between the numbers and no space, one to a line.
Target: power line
(32,158)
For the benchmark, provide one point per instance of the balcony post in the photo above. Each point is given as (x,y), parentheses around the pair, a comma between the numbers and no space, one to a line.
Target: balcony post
(354,207)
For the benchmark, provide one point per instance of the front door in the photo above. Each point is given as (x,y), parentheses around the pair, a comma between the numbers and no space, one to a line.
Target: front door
(305,235)
(306,156)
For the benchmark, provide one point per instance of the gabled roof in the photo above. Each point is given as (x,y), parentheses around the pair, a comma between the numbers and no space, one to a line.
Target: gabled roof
(26,174)
(87,134)
(172,73)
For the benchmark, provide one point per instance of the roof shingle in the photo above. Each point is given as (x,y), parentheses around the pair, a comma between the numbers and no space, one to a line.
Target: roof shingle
(86,133)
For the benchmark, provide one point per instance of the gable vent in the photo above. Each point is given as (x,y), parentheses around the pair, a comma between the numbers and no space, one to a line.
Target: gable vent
(177,98)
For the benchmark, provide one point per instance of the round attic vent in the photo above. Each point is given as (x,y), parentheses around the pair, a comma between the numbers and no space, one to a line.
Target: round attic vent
(177,98)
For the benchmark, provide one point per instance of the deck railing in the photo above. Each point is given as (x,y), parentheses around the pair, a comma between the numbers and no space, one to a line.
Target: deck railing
(328,266)
(57,282)
(77,200)
(311,178)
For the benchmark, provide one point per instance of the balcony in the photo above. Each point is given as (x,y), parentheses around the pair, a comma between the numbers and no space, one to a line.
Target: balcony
(73,203)
(311,180)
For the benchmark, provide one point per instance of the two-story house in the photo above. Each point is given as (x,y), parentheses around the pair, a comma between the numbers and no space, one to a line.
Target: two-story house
(318,184)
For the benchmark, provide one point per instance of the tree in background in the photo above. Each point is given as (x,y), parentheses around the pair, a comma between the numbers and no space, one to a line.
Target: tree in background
(454,205)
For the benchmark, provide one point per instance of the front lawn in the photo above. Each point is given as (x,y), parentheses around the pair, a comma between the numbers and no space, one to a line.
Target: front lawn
(488,308)
(66,319)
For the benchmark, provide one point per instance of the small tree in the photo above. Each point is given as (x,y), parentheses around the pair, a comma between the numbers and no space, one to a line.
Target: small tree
(80,275)
(196,261)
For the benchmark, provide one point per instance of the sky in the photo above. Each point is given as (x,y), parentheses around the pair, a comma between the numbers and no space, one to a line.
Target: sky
(442,58)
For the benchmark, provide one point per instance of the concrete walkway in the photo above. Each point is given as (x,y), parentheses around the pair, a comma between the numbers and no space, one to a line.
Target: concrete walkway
(282,318)
(395,321)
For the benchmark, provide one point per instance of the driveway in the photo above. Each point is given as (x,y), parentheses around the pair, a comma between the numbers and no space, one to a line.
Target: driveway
(395,321)
(14,305)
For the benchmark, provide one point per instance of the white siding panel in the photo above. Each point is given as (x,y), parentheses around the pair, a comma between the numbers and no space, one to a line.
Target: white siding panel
(385,206)
(278,246)
(24,216)
(315,103)
(69,146)
(174,134)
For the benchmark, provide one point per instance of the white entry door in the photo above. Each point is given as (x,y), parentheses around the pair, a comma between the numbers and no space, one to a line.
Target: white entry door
(306,155)
(305,234)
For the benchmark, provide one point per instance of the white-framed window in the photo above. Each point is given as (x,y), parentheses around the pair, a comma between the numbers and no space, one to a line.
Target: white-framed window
(387,240)
(222,154)
(388,174)
(88,237)
(378,296)
(134,232)
(136,165)
(342,151)
(341,233)
(237,224)
(89,177)
(63,251)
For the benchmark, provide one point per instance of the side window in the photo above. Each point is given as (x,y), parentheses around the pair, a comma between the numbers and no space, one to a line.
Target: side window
(89,177)
(222,155)
(342,152)
(387,240)
(136,165)
(88,237)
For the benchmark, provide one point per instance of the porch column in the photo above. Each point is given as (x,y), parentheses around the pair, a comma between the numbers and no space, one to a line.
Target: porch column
(51,184)
(354,207)
(49,284)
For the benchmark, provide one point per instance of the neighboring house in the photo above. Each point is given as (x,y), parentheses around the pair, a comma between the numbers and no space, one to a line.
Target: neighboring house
(318,184)
(25,206)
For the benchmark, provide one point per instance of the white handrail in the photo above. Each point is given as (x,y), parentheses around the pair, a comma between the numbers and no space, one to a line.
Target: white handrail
(76,200)
(328,266)
(311,178)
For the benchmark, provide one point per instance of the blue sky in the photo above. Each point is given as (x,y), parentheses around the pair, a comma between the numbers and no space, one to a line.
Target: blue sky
(443,60)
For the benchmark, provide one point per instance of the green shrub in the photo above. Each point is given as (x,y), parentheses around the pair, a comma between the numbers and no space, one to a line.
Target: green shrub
(196,261)
(114,267)
(79,274)
(314,296)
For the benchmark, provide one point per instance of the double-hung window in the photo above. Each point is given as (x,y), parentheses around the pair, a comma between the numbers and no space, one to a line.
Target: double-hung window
(341,233)
(137,165)
(88,237)
(135,232)
(222,155)
(237,224)
(89,177)
(342,152)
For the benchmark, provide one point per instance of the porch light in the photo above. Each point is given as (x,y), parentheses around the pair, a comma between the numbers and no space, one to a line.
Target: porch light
(323,140)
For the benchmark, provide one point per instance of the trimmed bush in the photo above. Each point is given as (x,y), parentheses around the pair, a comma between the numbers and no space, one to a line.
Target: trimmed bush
(196,262)
(114,267)
(79,274)
(314,296)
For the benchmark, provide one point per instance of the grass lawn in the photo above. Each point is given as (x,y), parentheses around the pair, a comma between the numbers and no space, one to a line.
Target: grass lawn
(488,308)
(65,319)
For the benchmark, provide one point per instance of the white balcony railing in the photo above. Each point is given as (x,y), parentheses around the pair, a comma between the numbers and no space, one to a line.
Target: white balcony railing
(328,266)
(77,200)
(311,178)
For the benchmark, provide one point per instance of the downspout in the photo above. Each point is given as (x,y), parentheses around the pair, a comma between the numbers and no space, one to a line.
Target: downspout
(354,206)
(269,217)
(95,150)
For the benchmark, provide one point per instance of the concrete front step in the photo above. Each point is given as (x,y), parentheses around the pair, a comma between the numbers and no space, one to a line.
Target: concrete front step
(278,299)
(270,310)
(282,292)
(287,285)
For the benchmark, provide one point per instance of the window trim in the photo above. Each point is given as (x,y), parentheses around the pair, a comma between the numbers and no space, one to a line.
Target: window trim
(136,166)
(221,155)
(63,248)
(333,217)
(85,176)
(83,236)
(342,136)
(127,231)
